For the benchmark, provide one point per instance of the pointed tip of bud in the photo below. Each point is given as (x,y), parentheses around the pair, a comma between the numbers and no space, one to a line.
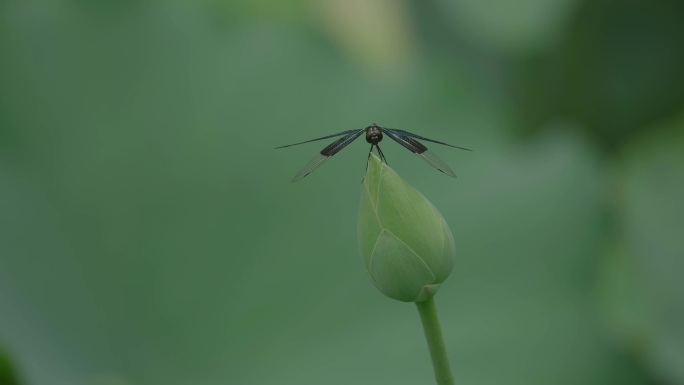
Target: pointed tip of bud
(406,245)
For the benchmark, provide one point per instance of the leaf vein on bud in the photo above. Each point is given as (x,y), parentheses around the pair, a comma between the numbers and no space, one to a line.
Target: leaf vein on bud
(408,247)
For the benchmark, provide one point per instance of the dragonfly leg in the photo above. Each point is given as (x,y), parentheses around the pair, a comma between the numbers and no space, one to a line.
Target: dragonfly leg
(382,156)
(369,155)
(367,160)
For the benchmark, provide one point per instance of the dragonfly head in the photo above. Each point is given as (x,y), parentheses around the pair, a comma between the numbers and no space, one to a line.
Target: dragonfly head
(373,134)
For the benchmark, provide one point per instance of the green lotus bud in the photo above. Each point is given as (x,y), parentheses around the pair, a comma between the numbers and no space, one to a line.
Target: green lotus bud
(406,245)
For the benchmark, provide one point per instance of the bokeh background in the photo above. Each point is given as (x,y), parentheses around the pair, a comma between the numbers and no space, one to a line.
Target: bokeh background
(149,233)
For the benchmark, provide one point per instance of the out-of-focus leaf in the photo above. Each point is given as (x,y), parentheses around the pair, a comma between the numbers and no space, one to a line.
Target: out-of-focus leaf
(8,374)
(510,27)
(527,229)
(108,380)
(642,282)
(264,9)
(620,69)
(376,34)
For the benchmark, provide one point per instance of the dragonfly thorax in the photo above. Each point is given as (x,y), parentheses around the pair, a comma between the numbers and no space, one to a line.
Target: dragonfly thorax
(373,134)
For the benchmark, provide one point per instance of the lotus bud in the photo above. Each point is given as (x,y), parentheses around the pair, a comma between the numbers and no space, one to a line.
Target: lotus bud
(405,243)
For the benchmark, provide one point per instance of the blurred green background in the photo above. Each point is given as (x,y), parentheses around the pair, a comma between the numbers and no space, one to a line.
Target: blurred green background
(149,233)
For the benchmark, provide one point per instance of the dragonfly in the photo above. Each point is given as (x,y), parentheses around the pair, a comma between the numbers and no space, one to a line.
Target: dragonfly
(374,135)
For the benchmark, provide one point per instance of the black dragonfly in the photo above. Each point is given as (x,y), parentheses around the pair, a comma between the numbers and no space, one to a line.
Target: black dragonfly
(374,135)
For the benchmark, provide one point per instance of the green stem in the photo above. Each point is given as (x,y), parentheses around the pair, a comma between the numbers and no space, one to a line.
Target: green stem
(433,334)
